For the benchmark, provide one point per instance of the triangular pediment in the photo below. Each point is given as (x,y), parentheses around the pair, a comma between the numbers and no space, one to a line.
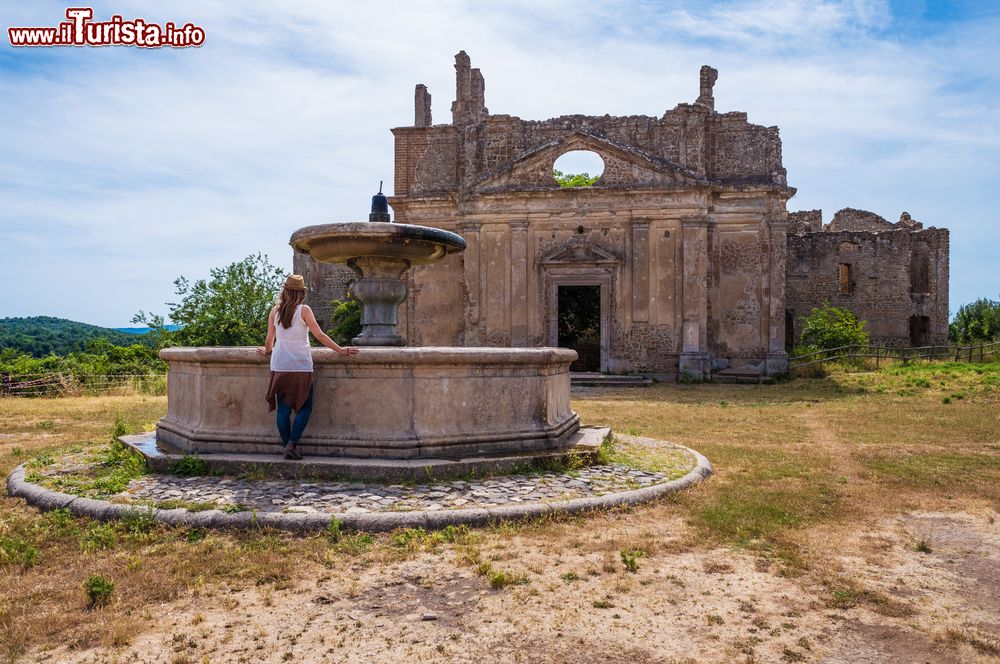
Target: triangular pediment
(624,166)
(579,253)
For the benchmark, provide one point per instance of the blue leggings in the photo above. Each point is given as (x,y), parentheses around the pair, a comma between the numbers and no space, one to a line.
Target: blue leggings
(291,431)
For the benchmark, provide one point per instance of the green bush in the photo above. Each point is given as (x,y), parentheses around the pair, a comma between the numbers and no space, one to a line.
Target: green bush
(99,590)
(832,327)
(345,321)
(978,321)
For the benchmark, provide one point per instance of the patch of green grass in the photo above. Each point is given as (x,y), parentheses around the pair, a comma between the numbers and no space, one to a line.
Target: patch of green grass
(602,604)
(41,460)
(112,467)
(99,590)
(333,529)
(195,535)
(60,523)
(189,465)
(189,505)
(499,578)
(671,461)
(99,536)
(630,559)
(570,576)
(16,551)
(137,521)
(742,513)
(933,469)
(843,594)
(355,544)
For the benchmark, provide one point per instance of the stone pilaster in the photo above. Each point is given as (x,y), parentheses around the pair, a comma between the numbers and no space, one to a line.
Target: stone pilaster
(518,287)
(694,360)
(777,357)
(470,259)
(640,270)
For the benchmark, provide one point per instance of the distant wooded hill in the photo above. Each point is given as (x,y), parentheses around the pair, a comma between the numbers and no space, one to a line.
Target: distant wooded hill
(44,335)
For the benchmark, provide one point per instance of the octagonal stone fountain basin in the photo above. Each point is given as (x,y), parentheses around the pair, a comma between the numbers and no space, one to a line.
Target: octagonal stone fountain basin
(384,403)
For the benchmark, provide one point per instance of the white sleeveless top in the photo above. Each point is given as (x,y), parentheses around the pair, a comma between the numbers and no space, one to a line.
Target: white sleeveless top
(291,346)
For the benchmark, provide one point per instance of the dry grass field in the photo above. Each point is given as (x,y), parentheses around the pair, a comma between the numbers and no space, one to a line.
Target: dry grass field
(851,519)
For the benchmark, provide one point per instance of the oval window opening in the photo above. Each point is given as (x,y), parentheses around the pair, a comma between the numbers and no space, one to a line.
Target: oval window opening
(578,168)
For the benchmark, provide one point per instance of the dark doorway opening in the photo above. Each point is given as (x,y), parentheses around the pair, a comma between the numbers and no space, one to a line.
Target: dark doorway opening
(789,329)
(580,325)
(920,330)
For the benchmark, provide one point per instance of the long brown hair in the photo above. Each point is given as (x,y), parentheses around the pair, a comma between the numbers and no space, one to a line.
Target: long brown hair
(287,302)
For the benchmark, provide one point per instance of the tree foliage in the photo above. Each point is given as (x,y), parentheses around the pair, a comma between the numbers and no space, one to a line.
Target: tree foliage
(230,308)
(832,327)
(39,336)
(976,321)
(100,358)
(574,179)
(345,321)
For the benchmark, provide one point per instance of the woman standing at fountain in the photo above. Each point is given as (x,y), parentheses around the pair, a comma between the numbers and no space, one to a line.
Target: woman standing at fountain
(291,386)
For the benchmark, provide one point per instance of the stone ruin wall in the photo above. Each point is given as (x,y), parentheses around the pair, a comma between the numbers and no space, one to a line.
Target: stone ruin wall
(692,180)
(898,271)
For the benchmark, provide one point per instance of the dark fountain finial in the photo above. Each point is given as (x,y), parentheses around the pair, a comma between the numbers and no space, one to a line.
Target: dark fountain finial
(380,206)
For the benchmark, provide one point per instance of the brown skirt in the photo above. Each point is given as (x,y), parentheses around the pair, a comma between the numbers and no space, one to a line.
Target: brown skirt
(290,387)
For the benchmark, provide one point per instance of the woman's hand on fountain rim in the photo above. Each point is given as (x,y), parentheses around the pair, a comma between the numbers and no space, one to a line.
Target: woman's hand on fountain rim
(348,350)
(263,351)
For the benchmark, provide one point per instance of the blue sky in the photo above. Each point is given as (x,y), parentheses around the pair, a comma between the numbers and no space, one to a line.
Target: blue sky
(123,168)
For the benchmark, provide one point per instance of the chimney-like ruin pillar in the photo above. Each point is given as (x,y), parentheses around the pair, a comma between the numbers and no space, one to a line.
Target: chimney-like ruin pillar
(421,107)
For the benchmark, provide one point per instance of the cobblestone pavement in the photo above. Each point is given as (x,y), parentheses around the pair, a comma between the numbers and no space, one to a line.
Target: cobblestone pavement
(345,497)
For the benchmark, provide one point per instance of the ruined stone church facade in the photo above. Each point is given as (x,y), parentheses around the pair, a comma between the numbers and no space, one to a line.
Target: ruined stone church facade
(685,233)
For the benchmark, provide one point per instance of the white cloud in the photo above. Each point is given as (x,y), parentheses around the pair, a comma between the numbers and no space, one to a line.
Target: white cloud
(155,164)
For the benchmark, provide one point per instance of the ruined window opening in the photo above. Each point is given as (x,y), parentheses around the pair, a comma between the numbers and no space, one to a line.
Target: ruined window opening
(789,329)
(920,272)
(580,325)
(578,168)
(920,330)
(845,278)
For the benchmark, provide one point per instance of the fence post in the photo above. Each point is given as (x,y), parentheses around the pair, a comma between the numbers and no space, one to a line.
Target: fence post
(876,357)
(5,385)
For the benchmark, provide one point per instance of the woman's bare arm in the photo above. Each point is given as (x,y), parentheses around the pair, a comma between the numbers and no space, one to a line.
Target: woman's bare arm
(310,319)
(269,341)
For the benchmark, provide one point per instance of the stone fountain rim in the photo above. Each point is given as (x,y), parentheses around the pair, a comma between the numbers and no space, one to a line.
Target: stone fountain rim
(415,355)
(377,229)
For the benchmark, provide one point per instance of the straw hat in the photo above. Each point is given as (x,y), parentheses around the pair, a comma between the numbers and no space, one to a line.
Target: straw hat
(295,282)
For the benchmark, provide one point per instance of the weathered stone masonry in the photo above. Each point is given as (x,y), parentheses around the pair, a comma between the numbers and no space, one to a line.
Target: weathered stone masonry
(894,276)
(685,233)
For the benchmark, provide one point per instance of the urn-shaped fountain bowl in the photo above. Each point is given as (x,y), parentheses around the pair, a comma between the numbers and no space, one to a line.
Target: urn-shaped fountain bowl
(379,253)
(339,243)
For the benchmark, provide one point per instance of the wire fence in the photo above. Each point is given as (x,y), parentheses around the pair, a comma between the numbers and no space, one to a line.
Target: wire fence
(78,384)
(877,356)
